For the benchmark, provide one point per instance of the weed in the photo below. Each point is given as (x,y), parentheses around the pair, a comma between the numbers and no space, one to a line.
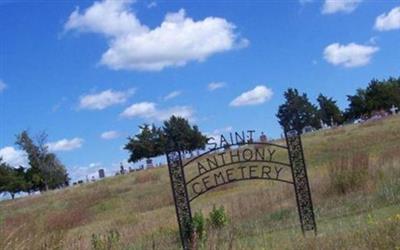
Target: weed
(108,241)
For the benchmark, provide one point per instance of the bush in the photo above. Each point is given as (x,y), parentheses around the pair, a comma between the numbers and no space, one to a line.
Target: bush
(199,225)
(106,241)
(218,217)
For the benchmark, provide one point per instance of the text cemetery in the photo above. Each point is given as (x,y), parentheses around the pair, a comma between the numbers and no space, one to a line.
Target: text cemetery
(236,165)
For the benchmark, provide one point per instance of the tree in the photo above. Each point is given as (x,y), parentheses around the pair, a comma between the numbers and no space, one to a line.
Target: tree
(147,144)
(329,111)
(297,112)
(357,107)
(179,135)
(46,171)
(12,180)
(176,134)
(379,95)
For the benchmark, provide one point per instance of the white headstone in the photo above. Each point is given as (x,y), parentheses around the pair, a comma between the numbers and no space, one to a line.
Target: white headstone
(394,110)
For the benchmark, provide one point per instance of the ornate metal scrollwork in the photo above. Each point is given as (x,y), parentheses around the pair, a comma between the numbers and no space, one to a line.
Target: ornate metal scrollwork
(300,179)
(181,199)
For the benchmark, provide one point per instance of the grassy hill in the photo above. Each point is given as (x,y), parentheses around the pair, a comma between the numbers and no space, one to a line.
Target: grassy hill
(355,182)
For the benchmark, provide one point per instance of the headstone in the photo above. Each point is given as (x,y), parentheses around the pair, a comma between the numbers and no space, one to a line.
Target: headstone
(323,124)
(332,122)
(101,174)
(308,129)
(263,138)
(149,163)
(394,109)
(121,169)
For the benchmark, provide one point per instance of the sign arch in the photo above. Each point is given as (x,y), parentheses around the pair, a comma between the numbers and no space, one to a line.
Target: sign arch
(235,162)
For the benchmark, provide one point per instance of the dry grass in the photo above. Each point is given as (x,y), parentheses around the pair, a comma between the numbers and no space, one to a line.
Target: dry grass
(355,181)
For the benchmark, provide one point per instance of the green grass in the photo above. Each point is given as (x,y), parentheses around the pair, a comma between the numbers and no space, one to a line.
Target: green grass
(263,214)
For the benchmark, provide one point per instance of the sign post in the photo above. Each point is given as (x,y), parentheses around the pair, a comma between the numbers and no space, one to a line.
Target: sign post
(300,179)
(181,199)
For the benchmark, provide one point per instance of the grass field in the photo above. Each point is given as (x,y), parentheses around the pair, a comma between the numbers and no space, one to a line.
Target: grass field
(355,181)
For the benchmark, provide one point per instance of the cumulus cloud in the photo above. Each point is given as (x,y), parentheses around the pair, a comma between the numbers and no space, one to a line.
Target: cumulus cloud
(172,95)
(175,42)
(14,157)
(345,6)
(181,111)
(104,99)
(142,109)
(149,110)
(65,144)
(110,18)
(3,86)
(389,21)
(258,95)
(109,135)
(215,85)
(350,55)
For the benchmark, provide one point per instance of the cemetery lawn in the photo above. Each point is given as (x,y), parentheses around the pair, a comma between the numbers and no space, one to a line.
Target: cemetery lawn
(354,173)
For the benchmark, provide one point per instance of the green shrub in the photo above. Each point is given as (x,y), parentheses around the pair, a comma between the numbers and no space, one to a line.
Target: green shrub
(199,225)
(106,241)
(218,217)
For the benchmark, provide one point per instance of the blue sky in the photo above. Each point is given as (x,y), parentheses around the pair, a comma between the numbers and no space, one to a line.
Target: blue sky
(89,73)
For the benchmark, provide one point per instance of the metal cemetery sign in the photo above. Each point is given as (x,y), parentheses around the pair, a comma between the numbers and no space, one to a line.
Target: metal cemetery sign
(239,157)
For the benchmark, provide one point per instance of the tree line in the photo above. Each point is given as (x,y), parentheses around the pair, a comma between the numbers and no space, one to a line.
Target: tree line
(298,112)
(45,171)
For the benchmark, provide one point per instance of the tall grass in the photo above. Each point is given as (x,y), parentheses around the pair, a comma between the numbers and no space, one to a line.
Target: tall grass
(348,173)
(355,182)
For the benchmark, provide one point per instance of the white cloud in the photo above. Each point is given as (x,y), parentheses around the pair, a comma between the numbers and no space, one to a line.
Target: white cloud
(65,144)
(14,157)
(152,5)
(95,164)
(258,95)
(350,55)
(81,172)
(142,109)
(3,86)
(215,85)
(181,111)
(334,6)
(148,110)
(133,46)
(389,21)
(104,99)
(109,135)
(110,18)
(172,95)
